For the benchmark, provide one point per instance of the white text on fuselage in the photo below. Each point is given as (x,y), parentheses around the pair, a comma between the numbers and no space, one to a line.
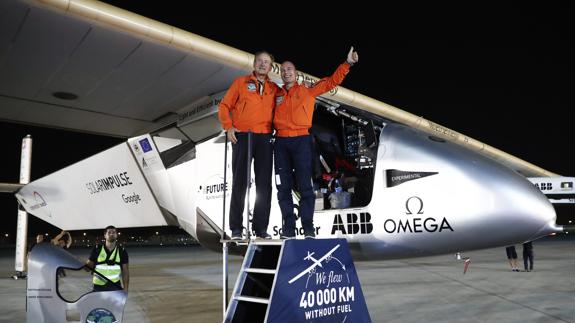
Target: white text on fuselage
(109,183)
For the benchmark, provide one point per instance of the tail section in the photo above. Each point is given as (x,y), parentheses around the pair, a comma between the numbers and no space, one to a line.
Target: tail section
(108,188)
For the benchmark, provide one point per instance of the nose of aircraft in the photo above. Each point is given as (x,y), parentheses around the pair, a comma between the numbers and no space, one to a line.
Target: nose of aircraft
(512,208)
(527,208)
(506,207)
(486,203)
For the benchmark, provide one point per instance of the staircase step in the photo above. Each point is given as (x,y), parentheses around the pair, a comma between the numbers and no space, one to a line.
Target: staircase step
(252,299)
(262,242)
(260,271)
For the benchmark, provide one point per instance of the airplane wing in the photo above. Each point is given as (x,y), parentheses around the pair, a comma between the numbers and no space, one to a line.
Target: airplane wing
(75,71)
(91,67)
(9,187)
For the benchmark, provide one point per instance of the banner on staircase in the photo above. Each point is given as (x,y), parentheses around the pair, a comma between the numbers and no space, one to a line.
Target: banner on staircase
(317,282)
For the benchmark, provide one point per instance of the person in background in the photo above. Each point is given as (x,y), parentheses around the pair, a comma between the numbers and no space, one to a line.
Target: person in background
(512,257)
(528,255)
(111,261)
(293,145)
(39,239)
(63,240)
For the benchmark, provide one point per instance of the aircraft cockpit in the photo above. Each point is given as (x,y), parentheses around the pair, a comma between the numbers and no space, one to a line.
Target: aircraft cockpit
(346,142)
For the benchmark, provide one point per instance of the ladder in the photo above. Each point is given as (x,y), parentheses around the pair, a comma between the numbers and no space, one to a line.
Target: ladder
(253,288)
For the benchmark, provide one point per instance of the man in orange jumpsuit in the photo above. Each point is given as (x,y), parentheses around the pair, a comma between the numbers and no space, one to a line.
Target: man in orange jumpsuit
(247,110)
(293,145)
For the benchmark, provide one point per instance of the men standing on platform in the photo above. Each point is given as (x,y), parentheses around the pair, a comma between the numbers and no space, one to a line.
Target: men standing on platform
(246,112)
(293,145)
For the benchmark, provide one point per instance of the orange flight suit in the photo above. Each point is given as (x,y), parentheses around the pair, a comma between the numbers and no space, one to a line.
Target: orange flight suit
(294,107)
(250,110)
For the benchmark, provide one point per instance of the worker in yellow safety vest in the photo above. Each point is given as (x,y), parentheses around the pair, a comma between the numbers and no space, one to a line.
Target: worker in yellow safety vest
(109,260)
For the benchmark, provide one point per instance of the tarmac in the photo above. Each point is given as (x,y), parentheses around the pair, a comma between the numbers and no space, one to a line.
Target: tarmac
(184,284)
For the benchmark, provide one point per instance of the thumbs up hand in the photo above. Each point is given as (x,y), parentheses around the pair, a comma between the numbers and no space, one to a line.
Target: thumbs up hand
(352,57)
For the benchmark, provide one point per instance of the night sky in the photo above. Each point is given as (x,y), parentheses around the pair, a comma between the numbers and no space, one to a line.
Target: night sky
(502,76)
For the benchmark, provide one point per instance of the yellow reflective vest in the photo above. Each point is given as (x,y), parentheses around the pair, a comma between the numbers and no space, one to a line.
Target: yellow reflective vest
(108,267)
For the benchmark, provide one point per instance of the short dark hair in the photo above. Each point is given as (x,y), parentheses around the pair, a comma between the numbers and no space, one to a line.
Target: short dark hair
(258,53)
(110,227)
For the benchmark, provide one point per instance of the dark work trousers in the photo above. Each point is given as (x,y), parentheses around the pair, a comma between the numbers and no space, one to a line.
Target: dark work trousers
(262,150)
(528,256)
(293,154)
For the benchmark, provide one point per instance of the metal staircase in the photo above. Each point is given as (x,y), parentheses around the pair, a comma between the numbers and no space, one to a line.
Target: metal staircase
(254,286)
(297,281)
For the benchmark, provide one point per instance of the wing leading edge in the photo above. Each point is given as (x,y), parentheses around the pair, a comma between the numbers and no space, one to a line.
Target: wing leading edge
(140,89)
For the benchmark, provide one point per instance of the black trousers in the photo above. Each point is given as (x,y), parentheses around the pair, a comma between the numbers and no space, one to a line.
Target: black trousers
(294,154)
(528,257)
(262,155)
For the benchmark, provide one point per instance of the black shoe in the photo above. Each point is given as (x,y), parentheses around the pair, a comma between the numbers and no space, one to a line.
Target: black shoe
(264,235)
(237,236)
(310,235)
